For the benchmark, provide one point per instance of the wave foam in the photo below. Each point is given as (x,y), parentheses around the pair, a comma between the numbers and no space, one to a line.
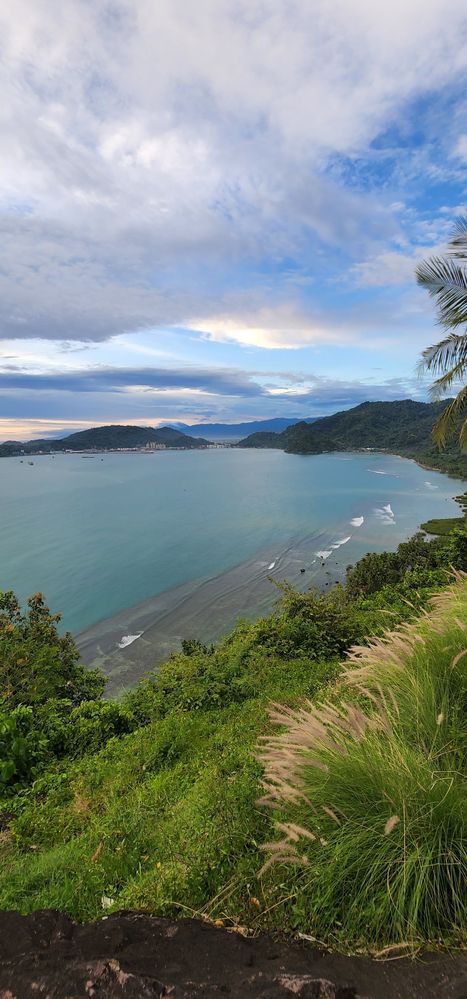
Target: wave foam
(385,514)
(128,640)
(378,471)
(343,542)
(357,521)
(324,554)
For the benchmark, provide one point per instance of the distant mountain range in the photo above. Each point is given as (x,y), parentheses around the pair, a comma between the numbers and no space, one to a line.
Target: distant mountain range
(106,439)
(235,431)
(403,427)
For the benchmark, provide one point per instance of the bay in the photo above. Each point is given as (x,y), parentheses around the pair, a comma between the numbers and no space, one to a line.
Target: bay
(105,535)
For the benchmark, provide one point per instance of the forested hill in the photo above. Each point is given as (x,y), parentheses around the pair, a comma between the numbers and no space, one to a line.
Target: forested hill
(403,427)
(106,438)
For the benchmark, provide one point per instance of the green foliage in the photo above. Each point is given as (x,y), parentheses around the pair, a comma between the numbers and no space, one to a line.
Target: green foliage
(442,526)
(37,663)
(315,625)
(371,802)
(93,723)
(152,802)
(377,570)
(21,746)
(50,703)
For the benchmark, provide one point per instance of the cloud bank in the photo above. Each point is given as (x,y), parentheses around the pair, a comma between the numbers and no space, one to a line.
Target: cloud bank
(154,155)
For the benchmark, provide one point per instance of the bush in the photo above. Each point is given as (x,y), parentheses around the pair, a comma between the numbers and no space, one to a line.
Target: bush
(93,723)
(36,662)
(22,747)
(370,791)
(379,569)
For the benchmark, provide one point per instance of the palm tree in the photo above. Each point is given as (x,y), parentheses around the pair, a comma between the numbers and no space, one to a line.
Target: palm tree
(445,278)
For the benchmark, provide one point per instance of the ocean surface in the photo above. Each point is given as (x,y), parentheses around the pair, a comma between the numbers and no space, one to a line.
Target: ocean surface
(139,550)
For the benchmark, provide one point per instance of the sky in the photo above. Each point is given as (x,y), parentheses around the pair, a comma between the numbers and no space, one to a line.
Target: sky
(212,211)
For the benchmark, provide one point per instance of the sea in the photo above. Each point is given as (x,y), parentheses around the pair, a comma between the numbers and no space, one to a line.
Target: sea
(139,550)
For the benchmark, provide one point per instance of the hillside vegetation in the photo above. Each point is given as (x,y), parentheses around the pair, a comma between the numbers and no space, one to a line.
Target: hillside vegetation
(403,427)
(152,802)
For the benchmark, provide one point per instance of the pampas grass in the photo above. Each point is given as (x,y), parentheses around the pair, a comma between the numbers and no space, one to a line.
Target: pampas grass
(368,788)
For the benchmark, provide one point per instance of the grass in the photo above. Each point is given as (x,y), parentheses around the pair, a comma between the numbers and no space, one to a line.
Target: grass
(171,806)
(443,526)
(369,786)
(167,818)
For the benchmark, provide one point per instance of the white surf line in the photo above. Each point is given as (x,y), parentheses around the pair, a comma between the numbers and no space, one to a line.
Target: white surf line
(326,552)
(430,485)
(357,521)
(377,471)
(128,640)
(338,544)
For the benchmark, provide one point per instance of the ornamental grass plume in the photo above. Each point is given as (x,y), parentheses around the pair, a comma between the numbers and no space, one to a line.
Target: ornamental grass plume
(368,787)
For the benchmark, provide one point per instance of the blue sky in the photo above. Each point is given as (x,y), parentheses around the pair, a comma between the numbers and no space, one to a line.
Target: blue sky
(213,211)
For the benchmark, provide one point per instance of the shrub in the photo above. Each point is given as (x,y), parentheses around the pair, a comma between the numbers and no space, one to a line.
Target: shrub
(22,747)
(369,790)
(379,569)
(93,723)
(36,662)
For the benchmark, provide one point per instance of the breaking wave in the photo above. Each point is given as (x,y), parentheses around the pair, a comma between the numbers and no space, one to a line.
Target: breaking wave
(385,514)
(128,640)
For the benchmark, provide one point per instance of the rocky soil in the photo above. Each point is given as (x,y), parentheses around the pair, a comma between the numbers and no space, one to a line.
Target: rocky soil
(135,956)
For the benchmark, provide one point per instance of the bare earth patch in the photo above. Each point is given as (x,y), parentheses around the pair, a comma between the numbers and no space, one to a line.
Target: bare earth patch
(137,956)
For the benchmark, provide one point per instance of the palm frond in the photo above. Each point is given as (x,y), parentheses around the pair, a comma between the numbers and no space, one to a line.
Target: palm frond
(446,281)
(458,243)
(445,278)
(439,387)
(448,353)
(447,422)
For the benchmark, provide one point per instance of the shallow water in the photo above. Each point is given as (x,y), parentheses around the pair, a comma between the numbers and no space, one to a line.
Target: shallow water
(101,536)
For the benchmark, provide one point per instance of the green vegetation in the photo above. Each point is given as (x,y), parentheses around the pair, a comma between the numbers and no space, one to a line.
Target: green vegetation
(152,802)
(447,525)
(403,427)
(369,786)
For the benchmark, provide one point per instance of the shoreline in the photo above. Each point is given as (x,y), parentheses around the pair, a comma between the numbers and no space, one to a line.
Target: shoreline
(140,638)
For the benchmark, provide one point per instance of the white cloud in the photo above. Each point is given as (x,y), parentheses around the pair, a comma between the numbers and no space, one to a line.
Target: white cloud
(273,328)
(149,150)
(461,148)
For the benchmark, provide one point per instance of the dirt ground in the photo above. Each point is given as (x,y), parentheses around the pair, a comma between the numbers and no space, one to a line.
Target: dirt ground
(142,957)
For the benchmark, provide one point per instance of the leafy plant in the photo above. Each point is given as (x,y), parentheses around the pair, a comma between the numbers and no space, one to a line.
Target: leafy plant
(36,662)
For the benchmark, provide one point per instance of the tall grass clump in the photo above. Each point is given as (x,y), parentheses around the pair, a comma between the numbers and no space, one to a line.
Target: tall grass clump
(367,787)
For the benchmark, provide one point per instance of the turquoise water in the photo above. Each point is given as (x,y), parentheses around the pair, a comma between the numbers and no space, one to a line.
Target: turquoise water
(97,536)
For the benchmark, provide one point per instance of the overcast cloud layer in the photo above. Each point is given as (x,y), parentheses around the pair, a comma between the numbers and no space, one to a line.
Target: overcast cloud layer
(214,210)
